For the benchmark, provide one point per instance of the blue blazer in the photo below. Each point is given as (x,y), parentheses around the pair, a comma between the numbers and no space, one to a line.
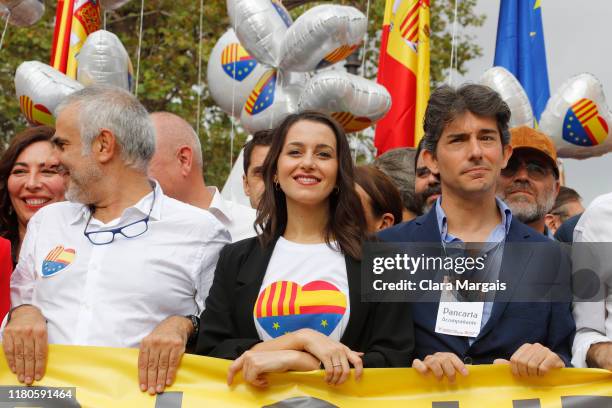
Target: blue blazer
(511,324)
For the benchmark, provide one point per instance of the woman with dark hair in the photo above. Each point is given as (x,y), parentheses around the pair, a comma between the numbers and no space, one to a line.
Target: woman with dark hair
(30,178)
(380,198)
(290,299)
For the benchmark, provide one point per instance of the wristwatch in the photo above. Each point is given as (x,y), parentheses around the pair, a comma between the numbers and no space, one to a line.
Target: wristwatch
(195,321)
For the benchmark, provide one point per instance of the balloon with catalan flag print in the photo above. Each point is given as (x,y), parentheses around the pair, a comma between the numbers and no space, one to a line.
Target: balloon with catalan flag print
(262,69)
(275,96)
(261,26)
(232,73)
(578,119)
(40,88)
(355,102)
(322,36)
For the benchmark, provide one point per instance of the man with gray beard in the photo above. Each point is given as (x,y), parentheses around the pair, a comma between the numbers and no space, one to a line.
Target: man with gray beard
(530,182)
(121,263)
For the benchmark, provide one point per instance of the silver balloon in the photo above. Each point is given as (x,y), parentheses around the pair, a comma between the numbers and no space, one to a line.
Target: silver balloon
(275,96)
(261,26)
(322,36)
(104,60)
(578,119)
(24,12)
(112,4)
(232,73)
(511,91)
(355,102)
(40,88)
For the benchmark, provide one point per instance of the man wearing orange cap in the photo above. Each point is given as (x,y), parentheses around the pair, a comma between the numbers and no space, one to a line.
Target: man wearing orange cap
(530,182)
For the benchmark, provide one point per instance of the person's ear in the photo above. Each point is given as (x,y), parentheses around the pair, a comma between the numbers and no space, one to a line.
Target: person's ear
(386,221)
(550,220)
(431,162)
(245,186)
(507,153)
(184,155)
(104,146)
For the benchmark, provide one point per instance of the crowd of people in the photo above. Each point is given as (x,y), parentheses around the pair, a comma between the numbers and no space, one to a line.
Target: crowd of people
(111,237)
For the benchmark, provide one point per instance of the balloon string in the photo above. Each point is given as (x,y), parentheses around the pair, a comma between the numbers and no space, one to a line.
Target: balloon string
(199,105)
(365,41)
(453,46)
(8,17)
(139,46)
(104,19)
(233,118)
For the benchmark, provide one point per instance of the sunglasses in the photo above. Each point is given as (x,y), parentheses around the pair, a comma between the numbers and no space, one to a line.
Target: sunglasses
(536,169)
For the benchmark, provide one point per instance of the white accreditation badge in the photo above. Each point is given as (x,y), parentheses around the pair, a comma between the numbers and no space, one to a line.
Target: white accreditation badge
(458,318)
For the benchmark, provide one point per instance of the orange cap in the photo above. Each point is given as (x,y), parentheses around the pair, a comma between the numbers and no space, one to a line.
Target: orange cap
(524,137)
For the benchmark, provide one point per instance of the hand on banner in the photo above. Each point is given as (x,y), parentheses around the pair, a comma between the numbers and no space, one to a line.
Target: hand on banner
(25,343)
(441,365)
(160,353)
(532,360)
(334,356)
(256,364)
(600,356)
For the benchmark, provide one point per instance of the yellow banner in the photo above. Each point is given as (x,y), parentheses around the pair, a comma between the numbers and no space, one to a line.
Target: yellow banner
(106,377)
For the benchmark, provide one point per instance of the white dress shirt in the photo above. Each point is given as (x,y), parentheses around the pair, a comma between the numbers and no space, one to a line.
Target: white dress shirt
(116,294)
(237,218)
(594,319)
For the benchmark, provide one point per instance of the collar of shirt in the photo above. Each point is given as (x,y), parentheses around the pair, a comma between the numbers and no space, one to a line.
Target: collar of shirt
(140,209)
(498,234)
(219,206)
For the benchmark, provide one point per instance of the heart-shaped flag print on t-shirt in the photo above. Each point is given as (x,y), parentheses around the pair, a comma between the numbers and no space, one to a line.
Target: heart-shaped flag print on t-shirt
(57,259)
(285,307)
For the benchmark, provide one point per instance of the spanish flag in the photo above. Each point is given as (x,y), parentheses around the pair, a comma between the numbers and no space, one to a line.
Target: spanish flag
(75,20)
(404,70)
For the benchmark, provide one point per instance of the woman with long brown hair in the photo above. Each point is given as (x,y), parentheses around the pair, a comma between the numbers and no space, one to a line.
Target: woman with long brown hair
(290,299)
(30,178)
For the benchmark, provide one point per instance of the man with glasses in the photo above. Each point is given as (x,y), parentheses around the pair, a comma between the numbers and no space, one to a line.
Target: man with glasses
(120,260)
(530,182)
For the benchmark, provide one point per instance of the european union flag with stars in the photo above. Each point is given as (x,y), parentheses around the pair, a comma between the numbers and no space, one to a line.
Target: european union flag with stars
(520,49)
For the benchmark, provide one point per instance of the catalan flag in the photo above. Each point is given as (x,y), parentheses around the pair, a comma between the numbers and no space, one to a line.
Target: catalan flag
(57,259)
(262,96)
(285,306)
(520,49)
(350,122)
(583,126)
(404,70)
(337,55)
(35,113)
(237,62)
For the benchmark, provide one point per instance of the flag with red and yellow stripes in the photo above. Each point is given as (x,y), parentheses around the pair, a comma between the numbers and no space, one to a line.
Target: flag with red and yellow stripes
(404,70)
(75,20)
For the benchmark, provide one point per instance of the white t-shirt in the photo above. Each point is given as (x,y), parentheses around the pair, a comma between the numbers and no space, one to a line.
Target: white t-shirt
(305,287)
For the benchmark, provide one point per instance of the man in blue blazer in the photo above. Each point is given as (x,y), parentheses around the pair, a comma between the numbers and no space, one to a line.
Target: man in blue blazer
(467,143)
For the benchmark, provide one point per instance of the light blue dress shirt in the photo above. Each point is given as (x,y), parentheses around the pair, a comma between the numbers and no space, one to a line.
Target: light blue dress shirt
(497,236)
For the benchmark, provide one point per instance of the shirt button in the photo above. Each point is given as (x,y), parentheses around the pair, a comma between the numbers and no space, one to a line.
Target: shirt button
(467,360)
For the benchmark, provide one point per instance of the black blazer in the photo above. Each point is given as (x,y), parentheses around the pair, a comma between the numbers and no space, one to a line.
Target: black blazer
(383,331)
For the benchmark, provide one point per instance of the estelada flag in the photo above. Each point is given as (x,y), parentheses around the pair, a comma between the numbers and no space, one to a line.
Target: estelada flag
(403,69)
